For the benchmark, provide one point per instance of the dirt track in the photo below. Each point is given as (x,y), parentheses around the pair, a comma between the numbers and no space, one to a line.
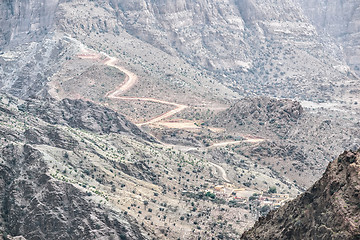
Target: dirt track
(130,81)
(247,140)
(222,171)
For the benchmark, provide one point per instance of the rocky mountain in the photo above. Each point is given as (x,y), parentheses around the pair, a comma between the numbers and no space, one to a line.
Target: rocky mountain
(291,133)
(169,119)
(252,47)
(93,174)
(339,20)
(36,206)
(83,115)
(328,210)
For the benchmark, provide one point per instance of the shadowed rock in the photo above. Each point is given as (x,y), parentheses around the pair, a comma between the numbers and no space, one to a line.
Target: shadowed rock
(330,209)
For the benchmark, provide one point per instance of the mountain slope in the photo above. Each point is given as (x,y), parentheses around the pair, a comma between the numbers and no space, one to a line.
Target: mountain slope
(250,46)
(341,21)
(97,164)
(299,142)
(328,210)
(264,47)
(46,208)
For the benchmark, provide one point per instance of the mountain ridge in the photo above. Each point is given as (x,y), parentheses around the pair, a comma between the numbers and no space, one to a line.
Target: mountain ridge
(178,119)
(327,210)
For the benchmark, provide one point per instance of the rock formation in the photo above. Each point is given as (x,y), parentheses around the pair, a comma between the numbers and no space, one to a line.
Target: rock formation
(83,115)
(328,210)
(251,46)
(341,21)
(36,206)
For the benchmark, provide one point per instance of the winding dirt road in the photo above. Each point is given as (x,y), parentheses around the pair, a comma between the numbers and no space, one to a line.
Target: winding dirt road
(222,171)
(130,80)
(247,140)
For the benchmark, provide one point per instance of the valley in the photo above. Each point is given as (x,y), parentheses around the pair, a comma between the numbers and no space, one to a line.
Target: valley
(217,141)
(173,120)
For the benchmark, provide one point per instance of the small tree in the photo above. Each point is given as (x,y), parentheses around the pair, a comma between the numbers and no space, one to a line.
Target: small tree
(272,190)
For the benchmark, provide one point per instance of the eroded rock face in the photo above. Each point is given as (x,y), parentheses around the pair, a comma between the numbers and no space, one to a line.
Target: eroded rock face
(341,20)
(213,34)
(23,21)
(328,210)
(262,109)
(36,206)
(83,115)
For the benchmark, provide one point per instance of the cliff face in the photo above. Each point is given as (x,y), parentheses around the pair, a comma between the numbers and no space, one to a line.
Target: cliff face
(194,29)
(253,46)
(341,20)
(328,210)
(213,34)
(36,206)
(23,21)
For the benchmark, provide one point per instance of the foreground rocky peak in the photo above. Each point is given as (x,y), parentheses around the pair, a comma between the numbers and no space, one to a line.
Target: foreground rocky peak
(36,206)
(328,210)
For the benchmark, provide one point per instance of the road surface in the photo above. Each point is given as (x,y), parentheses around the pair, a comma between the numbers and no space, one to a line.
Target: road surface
(130,81)
(221,171)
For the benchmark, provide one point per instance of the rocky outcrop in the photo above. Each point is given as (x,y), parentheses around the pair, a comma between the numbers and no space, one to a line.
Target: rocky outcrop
(139,170)
(328,210)
(36,206)
(263,110)
(83,115)
(24,21)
